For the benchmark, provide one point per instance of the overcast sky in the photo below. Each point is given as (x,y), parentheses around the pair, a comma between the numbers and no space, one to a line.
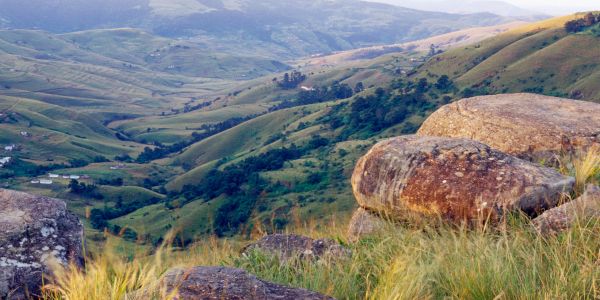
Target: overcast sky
(558,6)
(554,7)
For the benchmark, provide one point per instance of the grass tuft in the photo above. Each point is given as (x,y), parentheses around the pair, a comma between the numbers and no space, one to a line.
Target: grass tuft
(400,262)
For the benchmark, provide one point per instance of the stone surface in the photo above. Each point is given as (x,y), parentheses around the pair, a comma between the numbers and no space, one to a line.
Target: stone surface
(530,126)
(227,283)
(563,217)
(364,223)
(457,179)
(35,231)
(291,246)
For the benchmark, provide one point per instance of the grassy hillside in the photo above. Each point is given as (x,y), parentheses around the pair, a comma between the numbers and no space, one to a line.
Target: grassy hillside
(268,28)
(190,58)
(441,42)
(331,134)
(540,57)
(258,95)
(97,88)
(55,134)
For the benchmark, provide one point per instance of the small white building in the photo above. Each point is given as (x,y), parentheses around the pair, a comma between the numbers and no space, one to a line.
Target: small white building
(4,161)
(35,181)
(24,133)
(118,167)
(66,176)
(53,175)
(46,182)
(74,177)
(9,148)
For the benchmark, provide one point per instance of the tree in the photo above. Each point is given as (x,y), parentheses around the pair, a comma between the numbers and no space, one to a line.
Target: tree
(443,83)
(589,20)
(422,86)
(574,26)
(292,80)
(432,50)
(359,87)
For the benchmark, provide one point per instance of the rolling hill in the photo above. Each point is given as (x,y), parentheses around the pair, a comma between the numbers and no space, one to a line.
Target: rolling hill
(270,28)
(290,148)
(290,189)
(542,58)
(50,134)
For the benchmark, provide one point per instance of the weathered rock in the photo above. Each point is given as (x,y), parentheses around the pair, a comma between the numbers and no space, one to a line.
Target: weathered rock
(529,126)
(457,179)
(296,246)
(563,217)
(227,283)
(364,223)
(34,232)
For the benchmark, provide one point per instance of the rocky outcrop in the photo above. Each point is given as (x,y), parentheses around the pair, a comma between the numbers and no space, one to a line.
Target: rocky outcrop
(227,283)
(364,223)
(529,126)
(35,231)
(457,179)
(563,217)
(296,246)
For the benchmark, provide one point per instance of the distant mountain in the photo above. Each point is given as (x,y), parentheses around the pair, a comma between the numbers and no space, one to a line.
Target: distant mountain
(464,6)
(266,27)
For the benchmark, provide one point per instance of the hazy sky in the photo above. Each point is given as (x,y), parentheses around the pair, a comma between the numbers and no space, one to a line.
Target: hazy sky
(555,7)
(558,6)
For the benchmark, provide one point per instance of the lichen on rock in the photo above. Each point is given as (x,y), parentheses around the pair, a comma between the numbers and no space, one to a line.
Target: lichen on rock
(35,232)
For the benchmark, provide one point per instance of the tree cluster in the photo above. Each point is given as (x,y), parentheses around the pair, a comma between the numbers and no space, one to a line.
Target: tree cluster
(291,80)
(578,25)
(99,217)
(86,190)
(387,107)
(318,95)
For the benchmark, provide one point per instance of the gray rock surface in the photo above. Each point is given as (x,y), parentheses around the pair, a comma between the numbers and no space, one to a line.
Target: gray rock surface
(457,179)
(529,126)
(220,283)
(289,246)
(364,223)
(35,231)
(563,217)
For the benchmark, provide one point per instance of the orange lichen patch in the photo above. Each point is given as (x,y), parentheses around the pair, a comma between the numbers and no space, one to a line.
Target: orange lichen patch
(457,179)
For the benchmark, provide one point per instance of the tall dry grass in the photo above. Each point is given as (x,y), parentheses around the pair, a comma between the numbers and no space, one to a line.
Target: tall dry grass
(423,262)
(397,263)
(583,166)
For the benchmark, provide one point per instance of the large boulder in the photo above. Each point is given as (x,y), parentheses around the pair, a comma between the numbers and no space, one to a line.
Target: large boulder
(35,232)
(565,216)
(457,179)
(290,246)
(364,223)
(530,126)
(227,283)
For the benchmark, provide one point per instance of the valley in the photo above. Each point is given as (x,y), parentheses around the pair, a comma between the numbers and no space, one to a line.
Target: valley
(177,132)
(170,132)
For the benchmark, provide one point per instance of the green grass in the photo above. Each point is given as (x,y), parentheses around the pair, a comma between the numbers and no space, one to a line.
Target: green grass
(57,134)
(54,69)
(191,221)
(172,56)
(397,263)
(540,58)
(181,126)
